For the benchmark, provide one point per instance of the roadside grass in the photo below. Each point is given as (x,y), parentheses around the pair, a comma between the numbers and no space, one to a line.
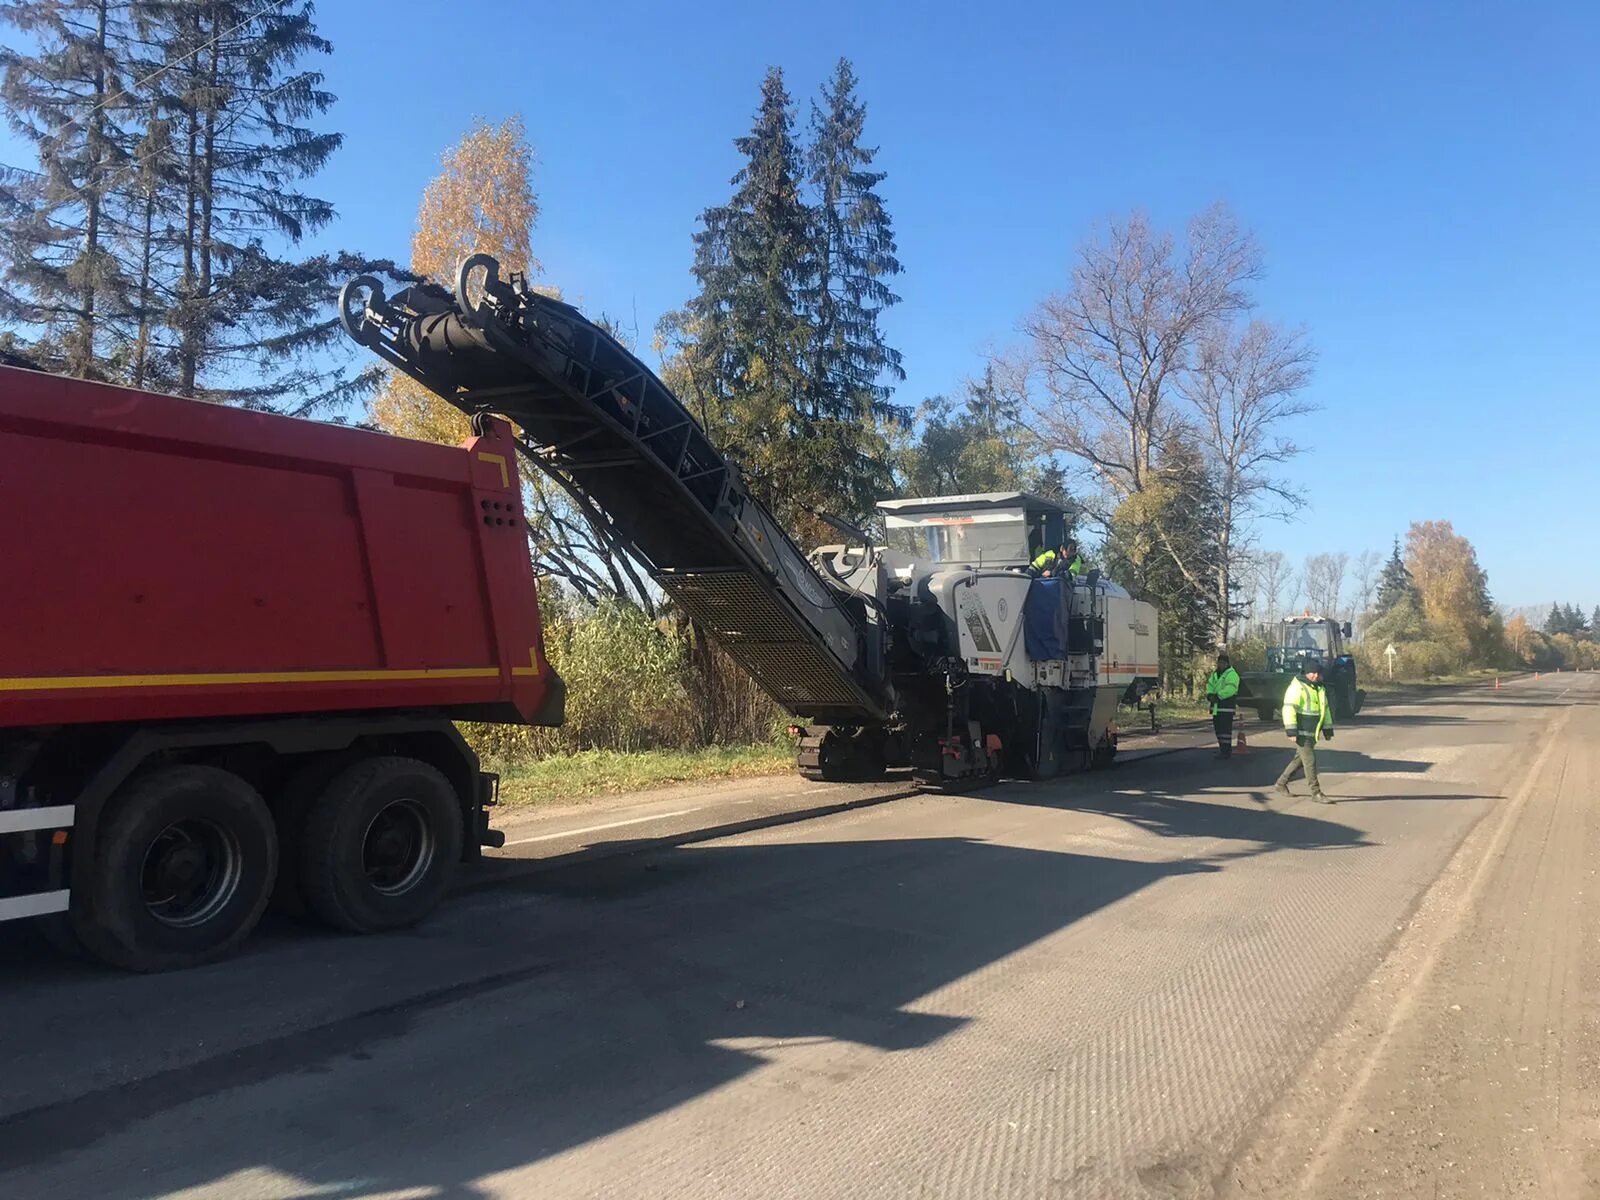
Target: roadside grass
(1168,709)
(588,773)
(1379,688)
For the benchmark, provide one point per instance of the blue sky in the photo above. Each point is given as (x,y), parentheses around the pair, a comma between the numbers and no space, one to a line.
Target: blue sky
(1423,178)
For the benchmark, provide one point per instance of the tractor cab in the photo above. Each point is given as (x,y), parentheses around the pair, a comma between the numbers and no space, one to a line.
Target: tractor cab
(1298,639)
(984,529)
(1290,645)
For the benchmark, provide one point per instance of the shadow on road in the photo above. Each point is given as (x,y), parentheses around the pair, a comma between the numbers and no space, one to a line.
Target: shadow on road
(1165,801)
(588,999)
(1171,814)
(1409,720)
(1343,799)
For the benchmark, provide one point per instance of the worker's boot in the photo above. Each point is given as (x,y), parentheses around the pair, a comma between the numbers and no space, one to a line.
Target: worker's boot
(1320,797)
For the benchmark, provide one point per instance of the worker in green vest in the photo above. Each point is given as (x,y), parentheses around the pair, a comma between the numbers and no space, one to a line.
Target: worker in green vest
(1222,690)
(1052,562)
(1307,716)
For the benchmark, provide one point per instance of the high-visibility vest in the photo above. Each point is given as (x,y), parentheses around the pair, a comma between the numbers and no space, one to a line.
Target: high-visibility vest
(1306,703)
(1047,560)
(1222,686)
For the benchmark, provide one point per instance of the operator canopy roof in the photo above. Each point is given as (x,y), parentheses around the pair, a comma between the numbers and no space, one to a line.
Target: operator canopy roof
(972,500)
(979,528)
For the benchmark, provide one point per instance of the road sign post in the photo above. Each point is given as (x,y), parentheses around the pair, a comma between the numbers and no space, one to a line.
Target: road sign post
(1389,652)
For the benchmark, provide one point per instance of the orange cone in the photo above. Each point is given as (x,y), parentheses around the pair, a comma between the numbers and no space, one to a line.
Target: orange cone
(1240,746)
(1497,683)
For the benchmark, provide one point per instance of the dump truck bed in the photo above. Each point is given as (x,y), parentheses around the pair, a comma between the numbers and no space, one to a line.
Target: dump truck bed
(168,558)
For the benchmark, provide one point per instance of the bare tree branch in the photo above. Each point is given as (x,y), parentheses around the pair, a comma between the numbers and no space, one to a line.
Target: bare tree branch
(1242,385)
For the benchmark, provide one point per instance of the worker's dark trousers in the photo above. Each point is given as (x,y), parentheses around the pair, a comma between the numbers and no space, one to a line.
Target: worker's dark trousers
(1222,722)
(1305,759)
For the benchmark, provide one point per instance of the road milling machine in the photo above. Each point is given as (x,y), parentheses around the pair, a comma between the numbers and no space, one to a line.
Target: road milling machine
(932,647)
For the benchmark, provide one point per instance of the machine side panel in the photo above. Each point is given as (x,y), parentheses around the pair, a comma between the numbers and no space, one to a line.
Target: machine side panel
(1131,641)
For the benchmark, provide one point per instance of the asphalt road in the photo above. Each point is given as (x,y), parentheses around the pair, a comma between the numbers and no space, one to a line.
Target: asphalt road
(1154,981)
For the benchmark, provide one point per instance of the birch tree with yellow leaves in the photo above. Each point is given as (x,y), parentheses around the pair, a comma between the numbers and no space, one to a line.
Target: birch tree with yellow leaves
(482,201)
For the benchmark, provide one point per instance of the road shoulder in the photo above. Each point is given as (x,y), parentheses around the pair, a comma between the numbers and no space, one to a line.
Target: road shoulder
(1467,1065)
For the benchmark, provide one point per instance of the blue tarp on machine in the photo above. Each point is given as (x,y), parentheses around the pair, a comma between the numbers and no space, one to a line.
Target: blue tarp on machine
(1044,619)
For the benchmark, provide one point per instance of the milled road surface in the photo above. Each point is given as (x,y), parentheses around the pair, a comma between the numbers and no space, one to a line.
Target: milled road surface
(1155,981)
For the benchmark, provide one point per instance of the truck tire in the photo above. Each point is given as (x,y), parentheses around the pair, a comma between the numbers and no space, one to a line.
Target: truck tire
(380,845)
(1343,704)
(290,807)
(182,869)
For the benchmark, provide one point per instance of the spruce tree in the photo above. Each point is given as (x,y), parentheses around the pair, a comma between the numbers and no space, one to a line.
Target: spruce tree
(1556,622)
(1395,583)
(751,339)
(1594,623)
(751,260)
(854,258)
(984,445)
(247,321)
(780,353)
(853,368)
(67,99)
(153,185)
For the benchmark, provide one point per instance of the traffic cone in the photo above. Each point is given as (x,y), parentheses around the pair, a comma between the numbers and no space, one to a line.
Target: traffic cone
(1240,746)
(1497,683)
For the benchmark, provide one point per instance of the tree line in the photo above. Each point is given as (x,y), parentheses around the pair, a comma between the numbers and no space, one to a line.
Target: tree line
(1429,599)
(1566,618)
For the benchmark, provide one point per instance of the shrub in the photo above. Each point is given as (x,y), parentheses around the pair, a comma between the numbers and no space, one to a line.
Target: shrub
(634,683)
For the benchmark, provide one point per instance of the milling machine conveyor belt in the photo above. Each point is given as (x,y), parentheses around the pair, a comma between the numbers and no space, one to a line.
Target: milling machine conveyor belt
(599,422)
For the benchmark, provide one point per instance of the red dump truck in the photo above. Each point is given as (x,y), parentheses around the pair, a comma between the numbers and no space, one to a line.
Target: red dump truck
(233,647)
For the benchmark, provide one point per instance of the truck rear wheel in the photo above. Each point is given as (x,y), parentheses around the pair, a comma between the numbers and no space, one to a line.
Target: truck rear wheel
(290,807)
(183,865)
(380,845)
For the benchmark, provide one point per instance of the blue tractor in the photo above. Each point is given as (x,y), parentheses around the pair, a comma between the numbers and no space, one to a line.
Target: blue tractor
(1290,644)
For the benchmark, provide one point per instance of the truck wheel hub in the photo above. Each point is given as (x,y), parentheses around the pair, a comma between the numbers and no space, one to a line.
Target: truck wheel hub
(191,871)
(398,848)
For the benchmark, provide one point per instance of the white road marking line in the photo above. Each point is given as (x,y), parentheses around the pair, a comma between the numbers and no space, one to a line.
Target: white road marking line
(569,833)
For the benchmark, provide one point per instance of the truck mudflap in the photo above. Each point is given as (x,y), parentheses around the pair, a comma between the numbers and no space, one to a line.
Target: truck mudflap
(488,797)
(33,845)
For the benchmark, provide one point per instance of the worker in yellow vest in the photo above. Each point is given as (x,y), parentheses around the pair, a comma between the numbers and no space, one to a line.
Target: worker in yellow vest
(1054,562)
(1307,716)
(1222,690)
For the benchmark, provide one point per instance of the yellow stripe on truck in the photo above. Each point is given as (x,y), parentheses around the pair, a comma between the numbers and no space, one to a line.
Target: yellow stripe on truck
(63,683)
